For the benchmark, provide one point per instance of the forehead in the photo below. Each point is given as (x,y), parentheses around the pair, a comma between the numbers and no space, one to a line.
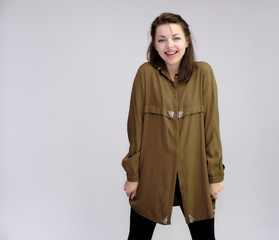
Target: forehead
(168,30)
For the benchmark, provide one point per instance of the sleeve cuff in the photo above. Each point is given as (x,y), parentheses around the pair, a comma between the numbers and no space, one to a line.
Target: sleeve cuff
(132,178)
(216,179)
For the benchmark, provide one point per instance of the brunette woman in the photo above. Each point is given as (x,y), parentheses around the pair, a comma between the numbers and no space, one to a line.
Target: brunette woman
(175,154)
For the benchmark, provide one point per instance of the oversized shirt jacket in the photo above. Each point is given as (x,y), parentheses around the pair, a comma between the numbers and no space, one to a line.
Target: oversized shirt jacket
(173,130)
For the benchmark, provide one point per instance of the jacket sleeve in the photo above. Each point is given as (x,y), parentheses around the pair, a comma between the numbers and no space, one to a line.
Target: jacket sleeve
(212,132)
(130,162)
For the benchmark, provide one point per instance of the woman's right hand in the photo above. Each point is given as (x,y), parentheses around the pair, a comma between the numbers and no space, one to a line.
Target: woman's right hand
(131,188)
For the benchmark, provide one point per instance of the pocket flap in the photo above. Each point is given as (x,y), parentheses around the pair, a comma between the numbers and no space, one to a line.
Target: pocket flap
(194,109)
(159,110)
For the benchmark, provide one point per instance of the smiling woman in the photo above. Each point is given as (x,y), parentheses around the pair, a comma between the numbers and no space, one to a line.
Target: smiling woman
(176,25)
(171,44)
(175,154)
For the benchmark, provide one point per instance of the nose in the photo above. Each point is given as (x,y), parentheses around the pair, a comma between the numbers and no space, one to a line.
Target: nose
(170,43)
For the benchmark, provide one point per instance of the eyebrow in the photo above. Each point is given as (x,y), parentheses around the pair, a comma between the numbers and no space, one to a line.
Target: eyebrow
(172,35)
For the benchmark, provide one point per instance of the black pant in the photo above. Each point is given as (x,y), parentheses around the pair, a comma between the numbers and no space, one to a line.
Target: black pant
(142,228)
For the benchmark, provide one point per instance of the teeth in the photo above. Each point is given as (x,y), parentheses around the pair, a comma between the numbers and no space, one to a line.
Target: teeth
(170,53)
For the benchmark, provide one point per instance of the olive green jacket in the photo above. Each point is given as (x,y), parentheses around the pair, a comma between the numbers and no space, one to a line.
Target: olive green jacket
(173,130)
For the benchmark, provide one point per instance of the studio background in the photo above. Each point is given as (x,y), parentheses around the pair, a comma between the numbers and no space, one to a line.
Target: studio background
(66,72)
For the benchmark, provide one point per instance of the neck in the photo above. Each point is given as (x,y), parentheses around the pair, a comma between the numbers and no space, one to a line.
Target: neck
(172,71)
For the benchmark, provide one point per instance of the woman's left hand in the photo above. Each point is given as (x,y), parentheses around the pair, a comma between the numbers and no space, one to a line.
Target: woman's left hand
(215,188)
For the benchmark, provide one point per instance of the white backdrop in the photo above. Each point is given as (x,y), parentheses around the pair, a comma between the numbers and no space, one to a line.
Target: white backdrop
(66,71)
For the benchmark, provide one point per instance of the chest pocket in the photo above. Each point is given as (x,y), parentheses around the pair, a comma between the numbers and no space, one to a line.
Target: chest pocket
(159,111)
(191,110)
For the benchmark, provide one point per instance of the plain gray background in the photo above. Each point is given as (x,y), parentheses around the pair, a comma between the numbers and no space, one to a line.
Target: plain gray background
(66,73)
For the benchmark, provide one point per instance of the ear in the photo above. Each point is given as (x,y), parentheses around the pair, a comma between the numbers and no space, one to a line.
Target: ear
(187,43)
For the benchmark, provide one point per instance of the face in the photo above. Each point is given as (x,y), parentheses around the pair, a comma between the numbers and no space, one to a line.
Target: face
(171,44)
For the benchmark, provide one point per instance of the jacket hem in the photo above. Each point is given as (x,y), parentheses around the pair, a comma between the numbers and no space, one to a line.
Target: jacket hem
(156,221)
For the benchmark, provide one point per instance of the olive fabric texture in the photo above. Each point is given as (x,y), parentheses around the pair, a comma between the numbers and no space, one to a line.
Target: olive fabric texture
(173,130)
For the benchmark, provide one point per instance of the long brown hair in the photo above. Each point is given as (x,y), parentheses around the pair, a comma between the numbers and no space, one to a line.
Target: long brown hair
(187,63)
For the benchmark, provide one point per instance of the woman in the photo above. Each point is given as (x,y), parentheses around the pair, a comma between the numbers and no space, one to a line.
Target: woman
(175,154)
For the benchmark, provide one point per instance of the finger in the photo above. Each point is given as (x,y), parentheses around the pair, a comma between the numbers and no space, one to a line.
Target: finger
(133,194)
(214,196)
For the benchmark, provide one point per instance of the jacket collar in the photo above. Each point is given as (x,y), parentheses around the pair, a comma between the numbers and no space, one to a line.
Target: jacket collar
(165,73)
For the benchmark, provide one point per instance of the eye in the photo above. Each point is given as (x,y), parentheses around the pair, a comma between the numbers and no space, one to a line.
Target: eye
(177,38)
(161,40)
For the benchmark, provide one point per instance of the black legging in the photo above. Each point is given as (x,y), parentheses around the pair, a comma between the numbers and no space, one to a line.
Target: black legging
(142,228)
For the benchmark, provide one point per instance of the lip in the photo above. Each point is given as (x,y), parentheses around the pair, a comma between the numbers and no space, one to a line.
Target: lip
(171,54)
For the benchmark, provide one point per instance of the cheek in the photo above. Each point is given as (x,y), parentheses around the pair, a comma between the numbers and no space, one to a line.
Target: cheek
(183,47)
(182,50)
(157,45)
(159,48)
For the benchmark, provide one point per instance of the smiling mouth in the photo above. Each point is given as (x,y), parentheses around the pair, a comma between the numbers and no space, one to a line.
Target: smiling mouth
(171,53)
